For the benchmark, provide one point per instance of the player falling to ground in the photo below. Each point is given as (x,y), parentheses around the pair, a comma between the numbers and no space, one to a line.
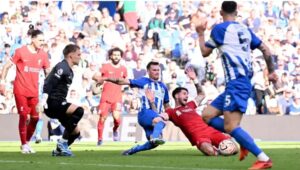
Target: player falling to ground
(185,116)
(29,60)
(111,97)
(54,99)
(235,42)
(149,119)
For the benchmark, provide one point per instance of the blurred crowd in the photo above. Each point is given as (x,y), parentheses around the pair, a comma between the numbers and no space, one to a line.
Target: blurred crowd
(155,30)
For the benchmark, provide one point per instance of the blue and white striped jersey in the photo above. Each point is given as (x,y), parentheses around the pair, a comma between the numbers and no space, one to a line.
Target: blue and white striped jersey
(159,88)
(235,42)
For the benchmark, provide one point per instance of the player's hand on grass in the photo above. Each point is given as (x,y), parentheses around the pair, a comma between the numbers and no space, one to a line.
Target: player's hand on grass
(150,95)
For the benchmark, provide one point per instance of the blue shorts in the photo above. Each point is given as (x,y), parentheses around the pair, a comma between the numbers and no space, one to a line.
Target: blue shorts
(235,97)
(145,118)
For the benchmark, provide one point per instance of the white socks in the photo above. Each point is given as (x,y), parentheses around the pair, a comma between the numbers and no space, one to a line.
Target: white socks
(263,157)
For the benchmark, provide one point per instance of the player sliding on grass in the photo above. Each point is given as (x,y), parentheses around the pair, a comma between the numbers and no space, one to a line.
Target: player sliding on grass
(149,119)
(185,116)
(234,42)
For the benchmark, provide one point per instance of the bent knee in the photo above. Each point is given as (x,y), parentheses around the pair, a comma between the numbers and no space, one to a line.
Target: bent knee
(156,120)
(102,119)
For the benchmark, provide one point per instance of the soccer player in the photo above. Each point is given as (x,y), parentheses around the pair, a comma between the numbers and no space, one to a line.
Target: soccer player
(29,60)
(111,98)
(185,116)
(149,119)
(54,101)
(235,42)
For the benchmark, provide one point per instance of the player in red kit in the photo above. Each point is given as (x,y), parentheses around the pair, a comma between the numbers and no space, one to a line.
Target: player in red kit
(29,60)
(185,116)
(111,98)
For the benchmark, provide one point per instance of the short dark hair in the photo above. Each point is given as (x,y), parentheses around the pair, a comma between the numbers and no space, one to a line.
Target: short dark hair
(33,33)
(6,45)
(229,6)
(178,90)
(111,51)
(155,63)
(70,48)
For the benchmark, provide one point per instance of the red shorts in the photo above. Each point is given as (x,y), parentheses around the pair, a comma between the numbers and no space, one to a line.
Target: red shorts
(105,107)
(209,135)
(26,105)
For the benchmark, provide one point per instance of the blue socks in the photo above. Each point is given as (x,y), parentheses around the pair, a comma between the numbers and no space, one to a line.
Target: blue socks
(217,123)
(245,140)
(157,130)
(146,146)
(39,127)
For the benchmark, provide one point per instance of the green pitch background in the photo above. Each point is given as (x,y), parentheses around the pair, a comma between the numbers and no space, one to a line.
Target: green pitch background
(171,156)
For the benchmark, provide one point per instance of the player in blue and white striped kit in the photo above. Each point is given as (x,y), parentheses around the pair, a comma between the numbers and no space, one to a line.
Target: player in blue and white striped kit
(234,42)
(148,118)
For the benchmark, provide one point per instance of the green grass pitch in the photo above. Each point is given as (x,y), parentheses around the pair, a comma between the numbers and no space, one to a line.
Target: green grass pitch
(171,156)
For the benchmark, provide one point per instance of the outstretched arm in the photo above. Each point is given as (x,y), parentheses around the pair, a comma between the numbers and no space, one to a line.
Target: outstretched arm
(200,93)
(100,80)
(200,28)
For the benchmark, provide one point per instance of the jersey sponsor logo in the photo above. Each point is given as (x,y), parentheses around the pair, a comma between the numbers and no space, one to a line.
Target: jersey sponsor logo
(39,62)
(187,110)
(31,69)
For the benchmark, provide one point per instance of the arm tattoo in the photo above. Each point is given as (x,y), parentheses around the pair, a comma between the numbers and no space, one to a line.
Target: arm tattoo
(268,57)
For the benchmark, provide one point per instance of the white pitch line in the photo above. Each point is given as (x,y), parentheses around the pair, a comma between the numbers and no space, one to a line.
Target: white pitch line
(107,165)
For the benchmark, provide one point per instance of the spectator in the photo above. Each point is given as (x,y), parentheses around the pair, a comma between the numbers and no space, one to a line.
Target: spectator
(285,100)
(294,108)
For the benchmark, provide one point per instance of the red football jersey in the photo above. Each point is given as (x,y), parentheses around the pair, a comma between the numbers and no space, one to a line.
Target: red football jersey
(112,92)
(190,122)
(28,66)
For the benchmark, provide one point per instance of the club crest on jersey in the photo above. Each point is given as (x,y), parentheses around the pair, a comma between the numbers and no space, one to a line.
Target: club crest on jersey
(59,72)
(178,113)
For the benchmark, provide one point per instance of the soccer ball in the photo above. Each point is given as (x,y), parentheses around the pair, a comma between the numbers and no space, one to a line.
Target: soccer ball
(228,147)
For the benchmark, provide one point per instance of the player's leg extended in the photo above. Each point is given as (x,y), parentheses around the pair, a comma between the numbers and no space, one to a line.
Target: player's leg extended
(116,112)
(103,113)
(34,117)
(146,146)
(158,126)
(232,121)
(212,112)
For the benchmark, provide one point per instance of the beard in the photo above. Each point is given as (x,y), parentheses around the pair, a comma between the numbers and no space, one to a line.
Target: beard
(115,62)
